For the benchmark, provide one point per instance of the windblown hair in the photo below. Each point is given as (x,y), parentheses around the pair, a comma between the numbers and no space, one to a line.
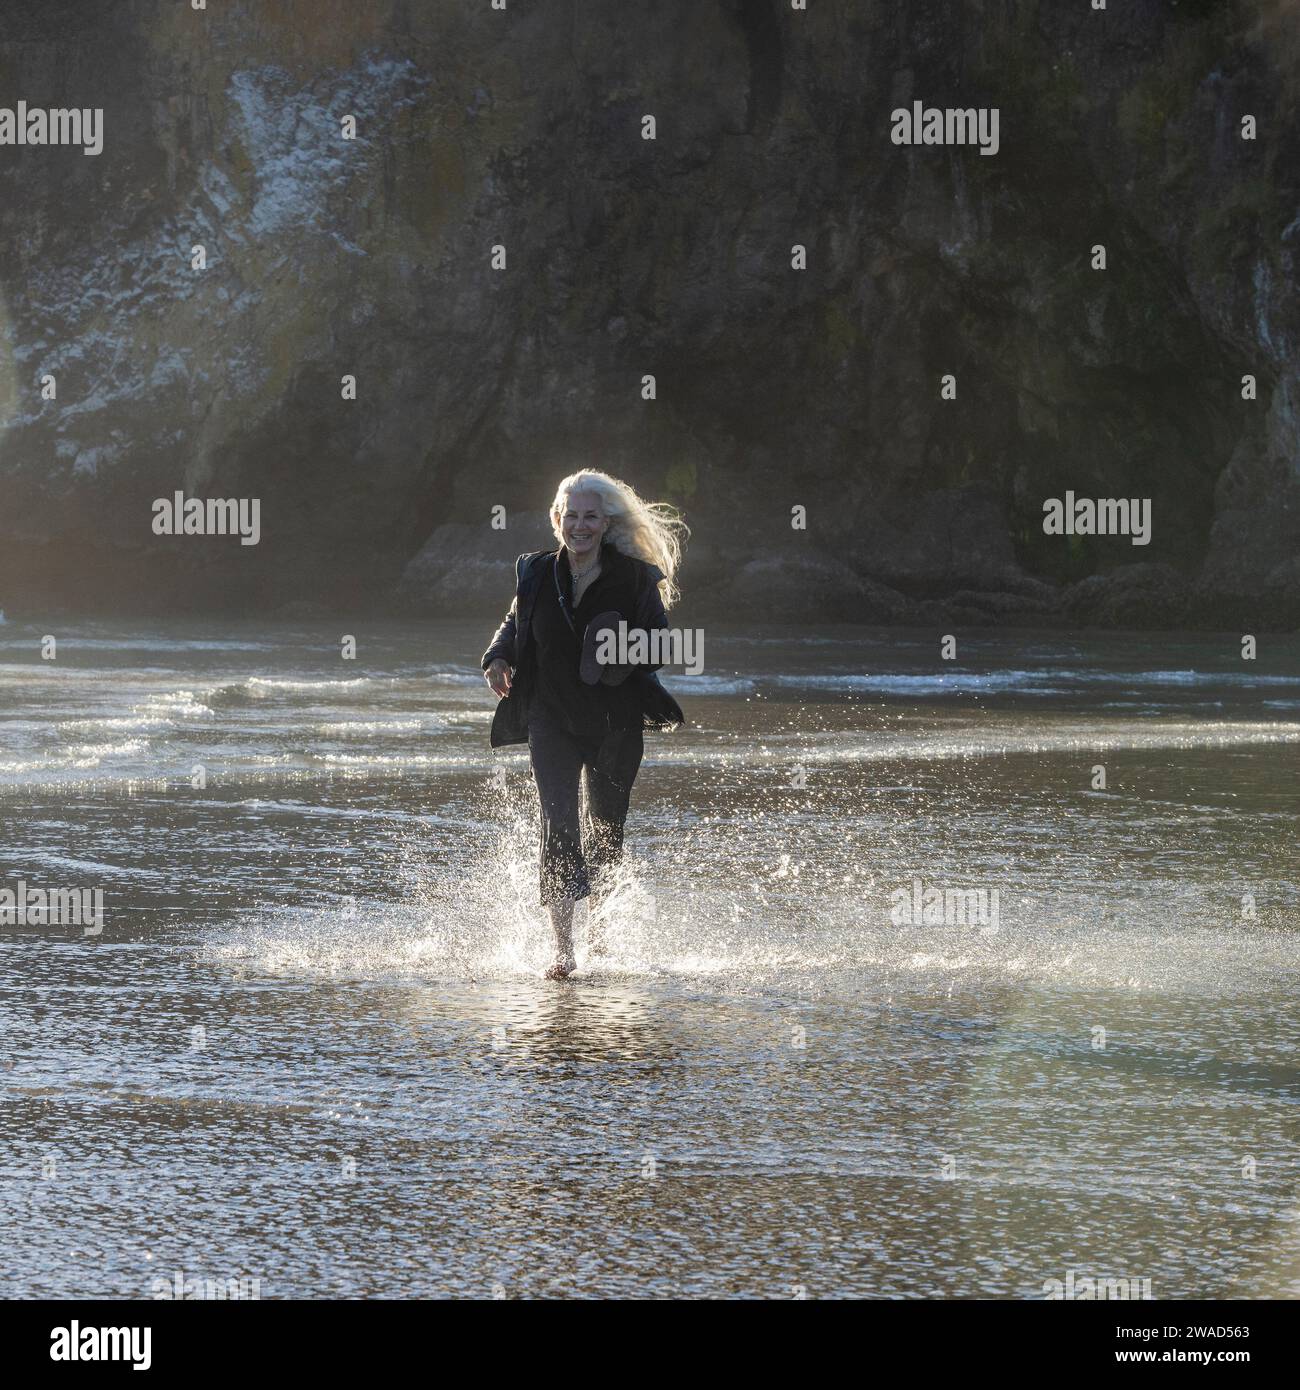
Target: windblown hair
(649,531)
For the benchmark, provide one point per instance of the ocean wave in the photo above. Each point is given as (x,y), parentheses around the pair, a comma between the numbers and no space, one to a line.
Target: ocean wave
(894,745)
(78,757)
(113,724)
(259,684)
(709,685)
(399,760)
(1244,678)
(1035,682)
(367,728)
(181,704)
(447,675)
(939,683)
(256,688)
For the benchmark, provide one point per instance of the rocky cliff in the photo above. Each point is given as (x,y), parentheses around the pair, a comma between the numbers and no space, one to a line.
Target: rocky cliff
(329,257)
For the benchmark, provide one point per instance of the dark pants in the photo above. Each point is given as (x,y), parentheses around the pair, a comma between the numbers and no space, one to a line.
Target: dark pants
(582,836)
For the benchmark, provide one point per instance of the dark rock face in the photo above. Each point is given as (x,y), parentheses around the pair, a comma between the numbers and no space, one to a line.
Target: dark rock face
(776,388)
(1132,596)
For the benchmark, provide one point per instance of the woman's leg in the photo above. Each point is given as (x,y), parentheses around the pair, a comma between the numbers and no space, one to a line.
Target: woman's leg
(557,766)
(607,789)
(565,962)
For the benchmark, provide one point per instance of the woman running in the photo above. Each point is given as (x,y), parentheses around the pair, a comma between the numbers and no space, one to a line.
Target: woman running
(581,714)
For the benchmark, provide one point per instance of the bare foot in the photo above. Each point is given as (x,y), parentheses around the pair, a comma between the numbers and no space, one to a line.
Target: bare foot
(561,915)
(561,967)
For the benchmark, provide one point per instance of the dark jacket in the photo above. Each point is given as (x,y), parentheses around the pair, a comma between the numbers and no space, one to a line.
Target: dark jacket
(511,644)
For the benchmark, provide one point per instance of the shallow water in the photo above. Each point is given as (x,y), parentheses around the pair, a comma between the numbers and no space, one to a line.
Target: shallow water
(767,1086)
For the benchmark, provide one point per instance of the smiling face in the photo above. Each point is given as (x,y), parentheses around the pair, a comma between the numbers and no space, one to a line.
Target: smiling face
(583,525)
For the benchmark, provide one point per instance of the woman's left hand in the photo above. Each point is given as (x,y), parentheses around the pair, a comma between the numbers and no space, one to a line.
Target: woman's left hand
(497,676)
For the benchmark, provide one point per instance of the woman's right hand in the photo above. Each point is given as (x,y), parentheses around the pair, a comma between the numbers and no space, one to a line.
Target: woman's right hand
(497,676)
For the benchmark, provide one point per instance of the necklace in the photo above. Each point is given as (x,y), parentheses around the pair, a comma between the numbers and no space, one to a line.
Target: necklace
(578,575)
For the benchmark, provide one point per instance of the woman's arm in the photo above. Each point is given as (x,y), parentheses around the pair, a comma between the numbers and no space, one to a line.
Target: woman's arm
(499,659)
(502,646)
(650,617)
(650,614)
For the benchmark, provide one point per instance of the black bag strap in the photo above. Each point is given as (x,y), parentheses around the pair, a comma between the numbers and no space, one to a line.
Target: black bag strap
(559,593)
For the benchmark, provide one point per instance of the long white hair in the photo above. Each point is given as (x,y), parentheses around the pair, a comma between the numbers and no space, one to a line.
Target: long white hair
(649,531)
